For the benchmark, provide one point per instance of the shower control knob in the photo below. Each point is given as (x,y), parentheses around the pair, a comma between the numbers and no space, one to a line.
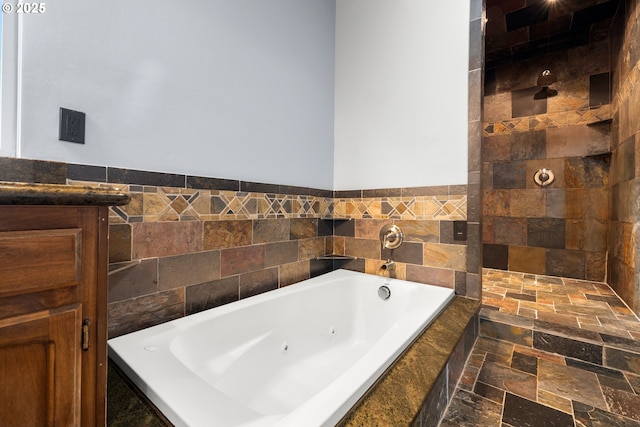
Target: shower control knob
(543,177)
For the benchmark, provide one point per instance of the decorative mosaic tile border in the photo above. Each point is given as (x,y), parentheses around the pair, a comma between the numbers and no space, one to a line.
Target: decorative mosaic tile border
(452,207)
(159,204)
(549,120)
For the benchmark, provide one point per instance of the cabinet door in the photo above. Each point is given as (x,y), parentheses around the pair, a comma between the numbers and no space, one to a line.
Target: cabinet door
(40,362)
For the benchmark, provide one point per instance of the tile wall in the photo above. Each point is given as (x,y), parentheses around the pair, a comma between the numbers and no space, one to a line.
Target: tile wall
(185,244)
(560,229)
(183,250)
(624,237)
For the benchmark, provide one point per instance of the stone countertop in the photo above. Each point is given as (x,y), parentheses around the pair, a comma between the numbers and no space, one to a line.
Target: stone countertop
(14,193)
(397,397)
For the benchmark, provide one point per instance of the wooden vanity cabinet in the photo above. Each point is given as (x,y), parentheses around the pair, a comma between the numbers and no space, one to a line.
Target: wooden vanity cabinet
(53,320)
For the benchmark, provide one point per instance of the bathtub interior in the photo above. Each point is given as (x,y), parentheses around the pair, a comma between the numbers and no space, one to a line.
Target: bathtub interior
(266,357)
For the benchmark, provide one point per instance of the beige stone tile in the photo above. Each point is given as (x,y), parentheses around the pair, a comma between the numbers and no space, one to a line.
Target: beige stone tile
(529,259)
(156,239)
(311,248)
(426,231)
(570,383)
(560,403)
(370,228)
(528,203)
(445,256)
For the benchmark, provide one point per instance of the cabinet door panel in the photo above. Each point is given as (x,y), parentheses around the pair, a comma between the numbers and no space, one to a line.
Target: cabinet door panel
(37,260)
(40,368)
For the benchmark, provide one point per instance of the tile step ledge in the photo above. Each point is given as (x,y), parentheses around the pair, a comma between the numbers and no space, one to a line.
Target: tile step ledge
(597,348)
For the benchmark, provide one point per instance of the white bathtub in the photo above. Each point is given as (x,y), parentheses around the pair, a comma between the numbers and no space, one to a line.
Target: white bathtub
(297,356)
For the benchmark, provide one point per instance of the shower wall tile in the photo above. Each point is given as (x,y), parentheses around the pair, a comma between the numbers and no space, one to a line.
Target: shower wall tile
(509,175)
(524,103)
(488,229)
(556,203)
(498,107)
(510,231)
(587,235)
(566,263)
(496,148)
(599,137)
(573,94)
(527,259)
(567,142)
(599,89)
(623,265)
(496,203)
(625,161)
(495,256)
(527,203)
(596,266)
(546,232)
(528,145)
(592,171)
(587,203)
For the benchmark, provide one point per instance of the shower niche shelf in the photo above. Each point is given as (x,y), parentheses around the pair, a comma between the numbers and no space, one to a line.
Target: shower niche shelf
(600,122)
(329,218)
(337,257)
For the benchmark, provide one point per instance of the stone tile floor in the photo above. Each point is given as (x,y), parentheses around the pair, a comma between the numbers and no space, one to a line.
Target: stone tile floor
(569,302)
(510,385)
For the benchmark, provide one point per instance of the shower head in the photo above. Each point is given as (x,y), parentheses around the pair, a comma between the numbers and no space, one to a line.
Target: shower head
(546,78)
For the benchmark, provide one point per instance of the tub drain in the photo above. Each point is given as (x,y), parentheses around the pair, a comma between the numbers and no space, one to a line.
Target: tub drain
(284,347)
(332,331)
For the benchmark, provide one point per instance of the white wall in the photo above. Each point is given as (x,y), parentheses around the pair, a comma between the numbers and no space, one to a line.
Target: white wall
(238,89)
(401,90)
